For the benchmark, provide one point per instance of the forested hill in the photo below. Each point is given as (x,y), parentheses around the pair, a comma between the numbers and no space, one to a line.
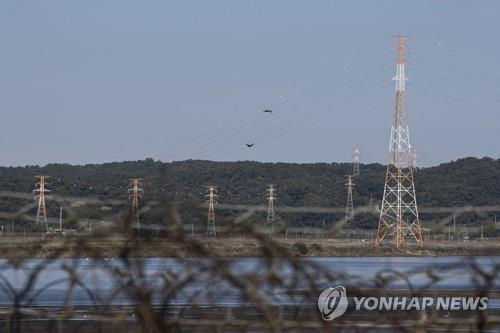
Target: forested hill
(466,181)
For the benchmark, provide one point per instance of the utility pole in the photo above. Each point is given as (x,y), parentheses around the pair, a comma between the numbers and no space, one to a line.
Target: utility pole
(356,156)
(349,209)
(271,197)
(39,193)
(211,198)
(135,193)
(399,213)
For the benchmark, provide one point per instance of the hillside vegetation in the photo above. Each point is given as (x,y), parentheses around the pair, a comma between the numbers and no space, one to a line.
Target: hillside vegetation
(468,181)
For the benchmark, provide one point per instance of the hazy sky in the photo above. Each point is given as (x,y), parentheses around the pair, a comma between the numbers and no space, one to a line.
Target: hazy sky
(96,81)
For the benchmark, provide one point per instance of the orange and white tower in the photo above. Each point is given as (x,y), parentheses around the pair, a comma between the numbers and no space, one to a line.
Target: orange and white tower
(135,193)
(349,209)
(271,197)
(39,192)
(211,198)
(399,213)
(356,157)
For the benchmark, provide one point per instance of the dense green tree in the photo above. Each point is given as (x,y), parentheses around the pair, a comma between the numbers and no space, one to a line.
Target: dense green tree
(468,181)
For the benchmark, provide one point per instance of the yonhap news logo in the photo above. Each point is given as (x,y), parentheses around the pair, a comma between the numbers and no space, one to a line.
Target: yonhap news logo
(333,303)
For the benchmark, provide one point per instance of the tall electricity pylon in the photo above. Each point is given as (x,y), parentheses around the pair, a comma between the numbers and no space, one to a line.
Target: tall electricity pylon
(39,193)
(349,209)
(271,197)
(135,193)
(356,156)
(211,198)
(399,213)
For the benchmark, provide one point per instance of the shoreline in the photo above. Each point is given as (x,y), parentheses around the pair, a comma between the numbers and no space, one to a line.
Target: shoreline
(36,247)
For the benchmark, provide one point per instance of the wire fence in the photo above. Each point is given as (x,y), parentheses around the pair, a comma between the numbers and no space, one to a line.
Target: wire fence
(164,277)
(77,287)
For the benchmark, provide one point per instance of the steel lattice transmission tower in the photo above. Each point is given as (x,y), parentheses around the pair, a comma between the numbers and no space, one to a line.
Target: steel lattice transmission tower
(399,213)
(271,197)
(349,209)
(356,157)
(211,198)
(39,192)
(135,193)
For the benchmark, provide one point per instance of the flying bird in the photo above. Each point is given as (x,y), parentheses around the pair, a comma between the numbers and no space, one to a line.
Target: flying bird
(250,145)
(268,111)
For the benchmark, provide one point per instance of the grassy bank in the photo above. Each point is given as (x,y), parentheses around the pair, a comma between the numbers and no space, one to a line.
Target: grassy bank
(35,247)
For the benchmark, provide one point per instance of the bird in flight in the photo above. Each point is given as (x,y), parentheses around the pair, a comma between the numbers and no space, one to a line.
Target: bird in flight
(268,111)
(250,145)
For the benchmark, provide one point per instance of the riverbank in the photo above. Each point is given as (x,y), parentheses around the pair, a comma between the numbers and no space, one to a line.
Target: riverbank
(36,247)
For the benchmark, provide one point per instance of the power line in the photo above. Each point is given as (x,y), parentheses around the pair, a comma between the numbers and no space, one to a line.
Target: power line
(476,91)
(210,133)
(354,69)
(458,70)
(291,128)
(436,94)
(305,117)
(293,110)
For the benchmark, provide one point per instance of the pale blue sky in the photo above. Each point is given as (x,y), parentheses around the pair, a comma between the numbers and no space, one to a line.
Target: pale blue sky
(96,81)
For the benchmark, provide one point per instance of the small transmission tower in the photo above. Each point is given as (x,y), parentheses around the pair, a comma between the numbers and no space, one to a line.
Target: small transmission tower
(135,193)
(356,156)
(399,214)
(39,193)
(211,198)
(349,209)
(271,197)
